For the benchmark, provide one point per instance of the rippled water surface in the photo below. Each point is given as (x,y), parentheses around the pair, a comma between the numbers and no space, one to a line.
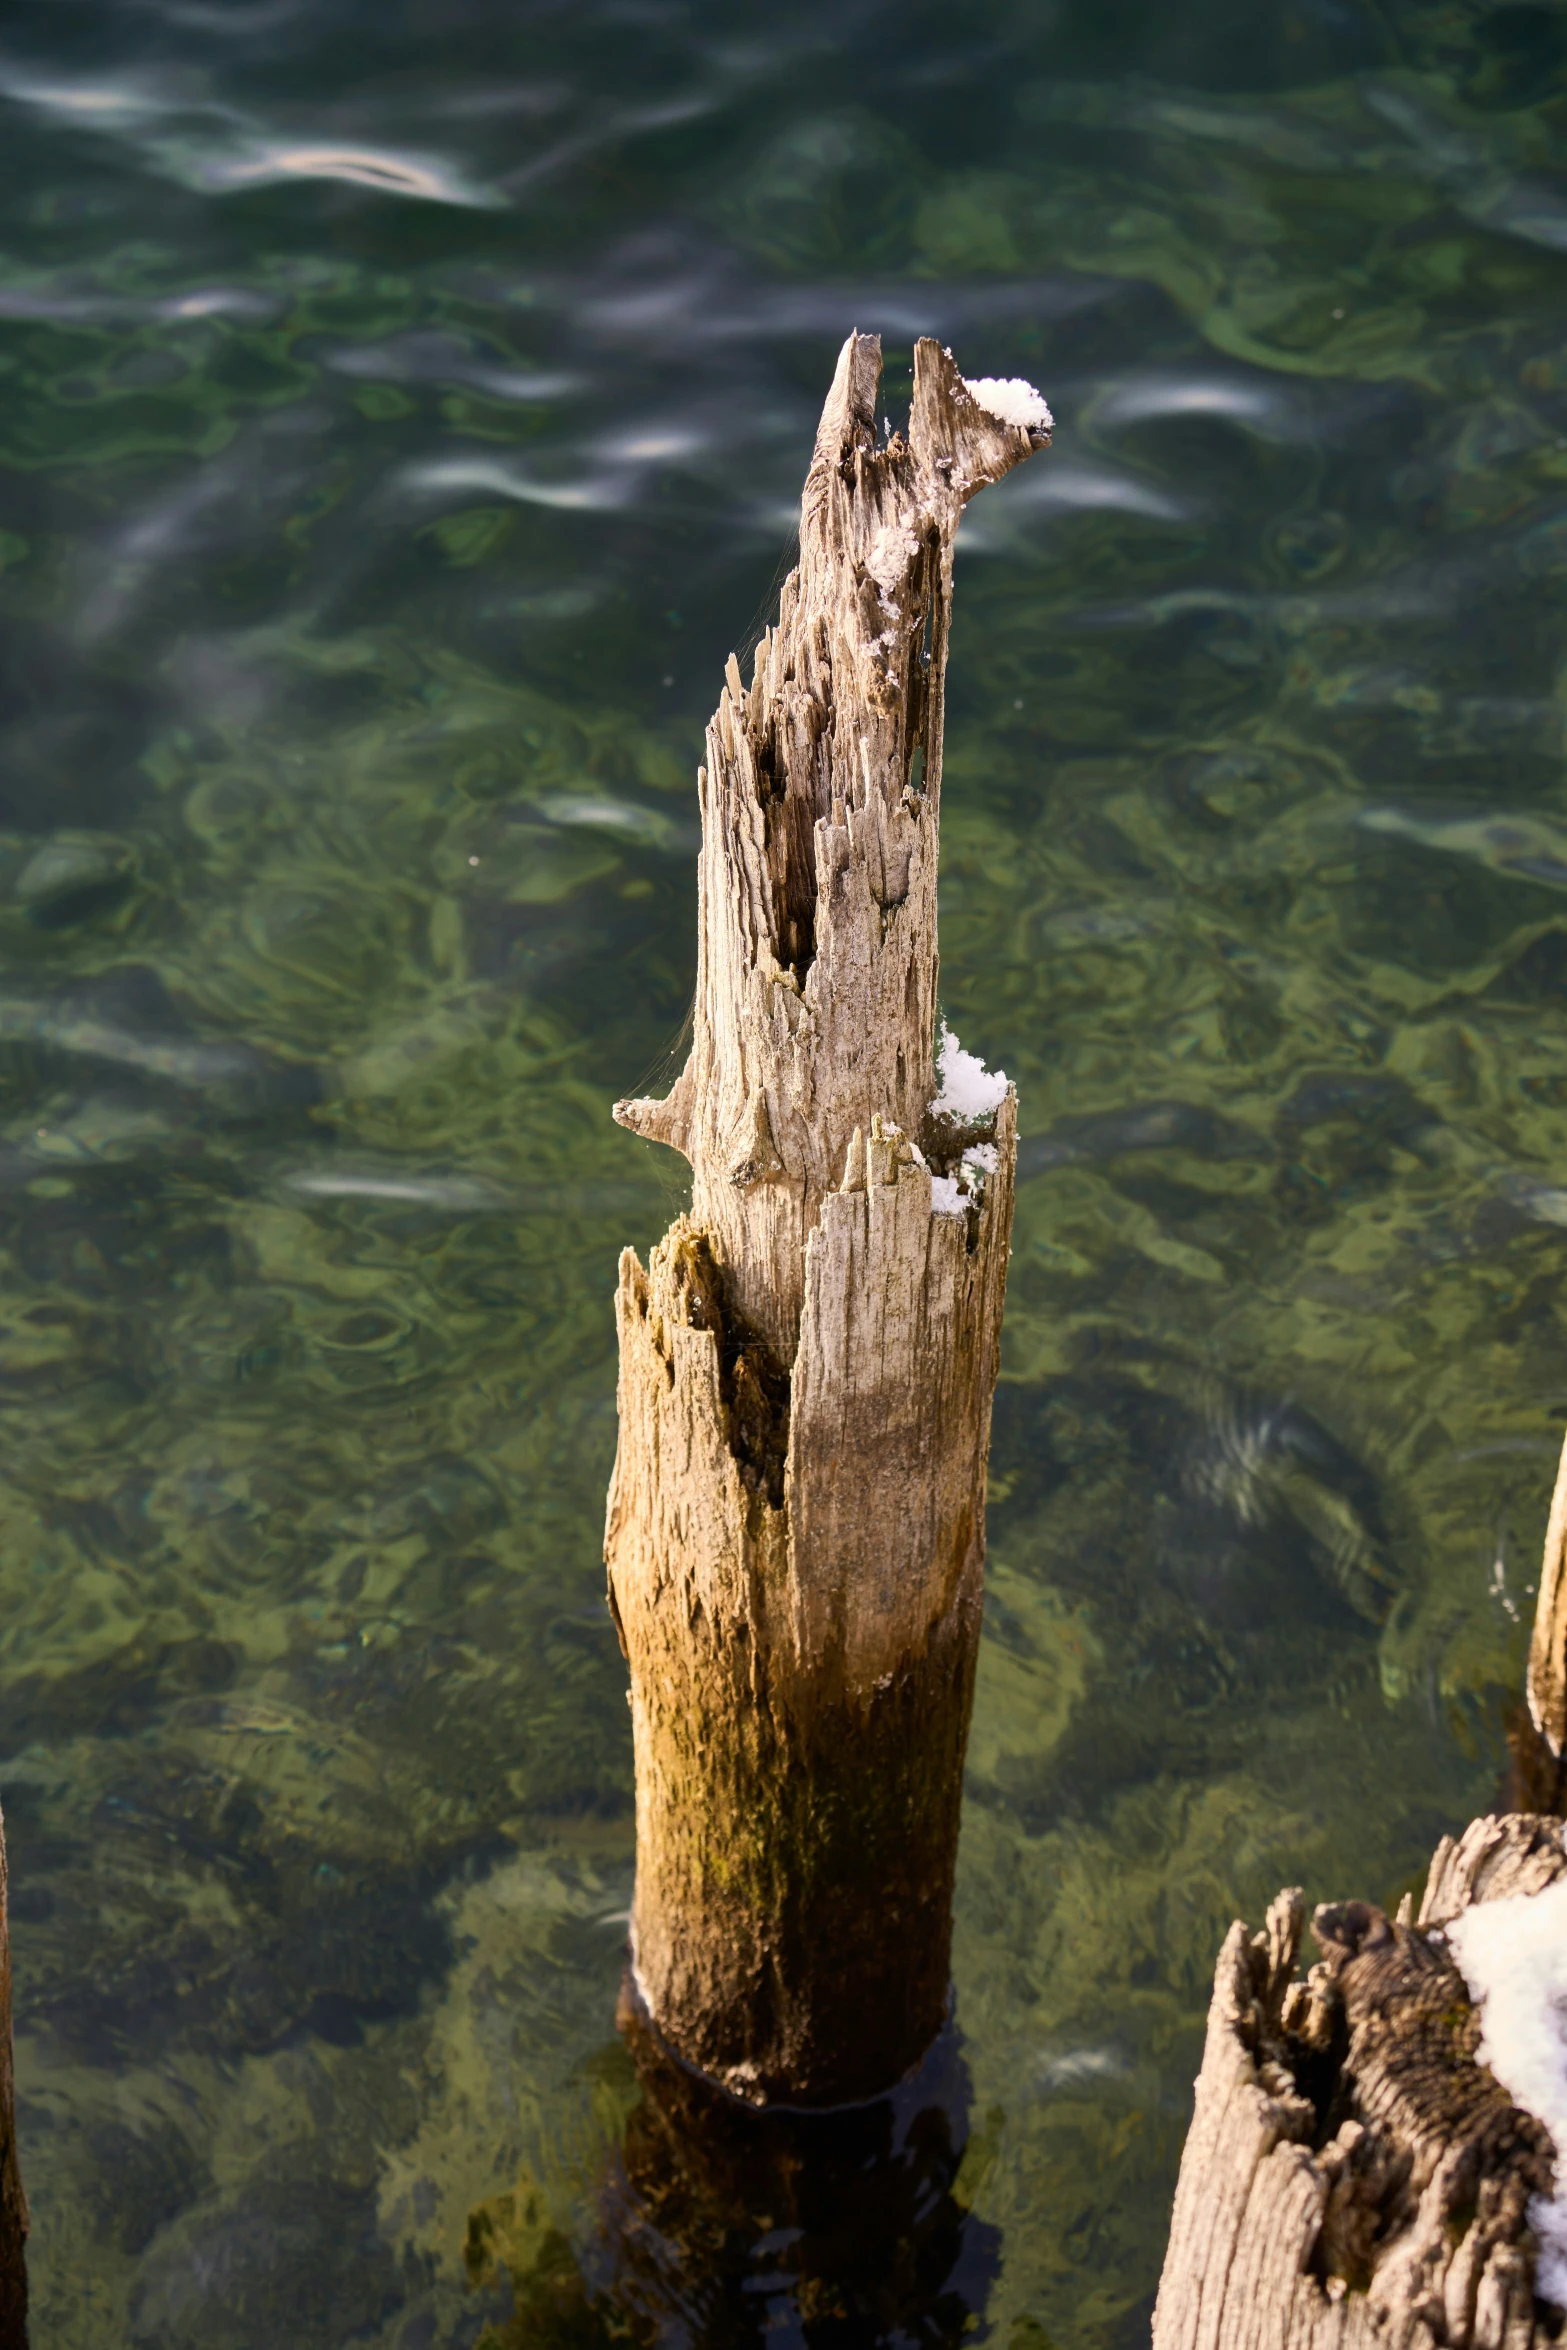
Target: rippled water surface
(402,414)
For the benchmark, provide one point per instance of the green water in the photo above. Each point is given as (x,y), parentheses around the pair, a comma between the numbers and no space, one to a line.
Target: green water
(401,415)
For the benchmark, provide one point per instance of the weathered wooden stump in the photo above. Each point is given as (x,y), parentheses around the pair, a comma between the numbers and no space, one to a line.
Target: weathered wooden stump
(795,1533)
(1356,2173)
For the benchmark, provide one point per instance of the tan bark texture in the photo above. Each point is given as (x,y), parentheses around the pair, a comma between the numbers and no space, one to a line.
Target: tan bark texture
(1547,1683)
(1353,2176)
(795,1534)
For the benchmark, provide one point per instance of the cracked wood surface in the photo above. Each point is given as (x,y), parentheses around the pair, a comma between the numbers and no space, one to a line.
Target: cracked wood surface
(795,1533)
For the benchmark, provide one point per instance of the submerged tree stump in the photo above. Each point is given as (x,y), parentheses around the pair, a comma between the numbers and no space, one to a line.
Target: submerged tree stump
(1355,2174)
(795,1535)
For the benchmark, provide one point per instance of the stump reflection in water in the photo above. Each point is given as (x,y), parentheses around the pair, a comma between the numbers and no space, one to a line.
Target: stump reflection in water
(720,2223)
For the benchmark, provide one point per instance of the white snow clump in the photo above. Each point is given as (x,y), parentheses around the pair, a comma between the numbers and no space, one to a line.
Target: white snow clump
(1513,1955)
(968,1090)
(1012,400)
(953,1195)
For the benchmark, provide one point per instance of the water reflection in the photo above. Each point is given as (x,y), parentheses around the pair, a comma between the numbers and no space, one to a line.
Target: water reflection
(717,2225)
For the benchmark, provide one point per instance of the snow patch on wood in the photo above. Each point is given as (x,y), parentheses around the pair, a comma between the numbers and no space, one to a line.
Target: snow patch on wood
(968,1090)
(1513,1955)
(1013,400)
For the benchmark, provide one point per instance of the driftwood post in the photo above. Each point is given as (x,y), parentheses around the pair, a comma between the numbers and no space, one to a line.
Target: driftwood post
(1355,2173)
(795,1533)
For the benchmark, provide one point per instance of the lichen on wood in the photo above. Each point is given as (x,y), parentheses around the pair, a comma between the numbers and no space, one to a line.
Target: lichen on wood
(795,1533)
